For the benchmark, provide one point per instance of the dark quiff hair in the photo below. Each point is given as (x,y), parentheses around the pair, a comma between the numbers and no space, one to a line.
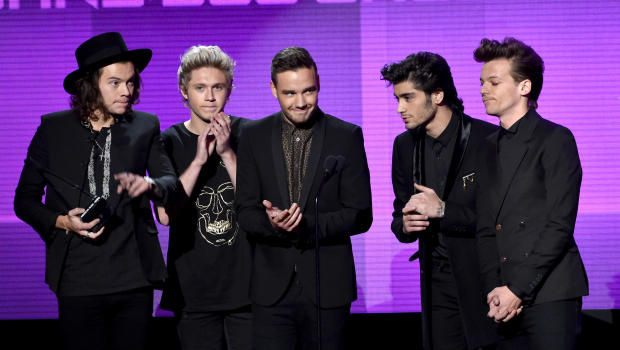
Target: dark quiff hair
(525,63)
(428,72)
(88,99)
(291,58)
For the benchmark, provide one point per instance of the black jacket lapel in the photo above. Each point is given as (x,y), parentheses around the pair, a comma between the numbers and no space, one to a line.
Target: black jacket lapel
(462,139)
(315,156)
(278,159)
(515,154)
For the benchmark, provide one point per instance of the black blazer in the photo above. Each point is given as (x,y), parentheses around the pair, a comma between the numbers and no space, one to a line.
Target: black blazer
(62,145)
(458,223)
(345,209)
(527,217)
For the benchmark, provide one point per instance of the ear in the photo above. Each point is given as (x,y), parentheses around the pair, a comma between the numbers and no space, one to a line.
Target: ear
(437,97)
(318,83)
(274,90)
(183,91)
(525,87)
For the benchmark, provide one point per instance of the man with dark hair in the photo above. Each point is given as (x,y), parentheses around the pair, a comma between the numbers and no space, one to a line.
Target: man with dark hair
(209,257)
(103,278)
(434,174)
(281,169)
(527,205)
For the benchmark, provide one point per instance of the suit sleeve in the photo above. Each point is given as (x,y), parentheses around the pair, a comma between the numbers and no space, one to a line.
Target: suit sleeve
(30,189)
(458,218)
(402,184)
(488,255)
(249,199)
(355,215)
(562,172)
(161,170)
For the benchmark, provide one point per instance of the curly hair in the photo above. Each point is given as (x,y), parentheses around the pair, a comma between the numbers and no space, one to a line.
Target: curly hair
(525,63)
(88,98)
(428,72)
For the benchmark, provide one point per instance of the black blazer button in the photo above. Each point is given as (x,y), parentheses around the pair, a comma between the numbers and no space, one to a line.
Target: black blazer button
(498,227)
(522,224)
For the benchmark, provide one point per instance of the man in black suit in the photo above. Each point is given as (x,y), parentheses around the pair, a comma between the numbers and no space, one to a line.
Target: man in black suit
(529,193)
(279,173)
(434,174)
(103,278)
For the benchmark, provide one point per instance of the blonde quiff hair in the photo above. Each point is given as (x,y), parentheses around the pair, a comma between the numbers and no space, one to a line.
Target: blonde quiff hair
(205,56)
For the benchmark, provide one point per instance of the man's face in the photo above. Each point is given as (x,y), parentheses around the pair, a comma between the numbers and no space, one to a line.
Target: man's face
(207,92)
(116,86)
(501,94)
(297,92)
(414,106)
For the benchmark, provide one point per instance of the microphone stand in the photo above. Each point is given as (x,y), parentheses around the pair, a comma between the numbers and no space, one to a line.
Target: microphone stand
(317,261)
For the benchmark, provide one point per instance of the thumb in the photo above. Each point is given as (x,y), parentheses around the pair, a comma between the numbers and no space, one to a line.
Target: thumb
(421,188)
(267,204)
(76,211)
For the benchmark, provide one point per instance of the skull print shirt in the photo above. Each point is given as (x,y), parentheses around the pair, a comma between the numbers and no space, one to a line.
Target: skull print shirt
(208,255)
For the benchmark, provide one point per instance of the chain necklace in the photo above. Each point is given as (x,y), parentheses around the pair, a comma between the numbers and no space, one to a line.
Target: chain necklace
(104,156)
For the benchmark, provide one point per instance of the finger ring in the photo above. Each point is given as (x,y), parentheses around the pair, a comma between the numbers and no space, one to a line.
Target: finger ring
(89,234)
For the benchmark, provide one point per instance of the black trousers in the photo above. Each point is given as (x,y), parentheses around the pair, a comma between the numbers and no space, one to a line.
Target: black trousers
(217,330)
(292,323)
(447,331)
(109,321)
(546,326)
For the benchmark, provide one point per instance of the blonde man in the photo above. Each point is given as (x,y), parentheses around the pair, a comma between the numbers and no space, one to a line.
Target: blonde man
(208,256)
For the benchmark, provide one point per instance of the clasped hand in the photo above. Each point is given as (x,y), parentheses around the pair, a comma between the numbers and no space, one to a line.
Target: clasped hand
(503,304)
(215,137)
(420,207)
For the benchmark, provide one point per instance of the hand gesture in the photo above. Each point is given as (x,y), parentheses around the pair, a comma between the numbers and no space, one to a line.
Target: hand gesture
(220,126)
(503,304)
(134,184)
(73,222)
(205,145)
(283,220)
(427,202)
(413,221)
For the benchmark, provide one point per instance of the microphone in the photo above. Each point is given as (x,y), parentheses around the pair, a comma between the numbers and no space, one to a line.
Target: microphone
(333,165)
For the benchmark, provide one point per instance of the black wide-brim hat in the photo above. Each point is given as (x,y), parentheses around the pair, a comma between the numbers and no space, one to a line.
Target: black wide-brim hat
(102,50)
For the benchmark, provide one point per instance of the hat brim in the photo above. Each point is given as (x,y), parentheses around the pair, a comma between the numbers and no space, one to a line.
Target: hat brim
(140,59)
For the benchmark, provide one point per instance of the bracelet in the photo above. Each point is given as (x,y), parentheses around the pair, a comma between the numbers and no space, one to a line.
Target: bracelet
(150,181)
(66,226)
(441,210)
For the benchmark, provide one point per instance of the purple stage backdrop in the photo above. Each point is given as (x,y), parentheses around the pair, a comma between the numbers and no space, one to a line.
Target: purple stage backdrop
(350,41)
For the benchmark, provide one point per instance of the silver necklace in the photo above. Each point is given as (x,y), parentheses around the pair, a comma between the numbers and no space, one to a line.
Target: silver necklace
(104,156)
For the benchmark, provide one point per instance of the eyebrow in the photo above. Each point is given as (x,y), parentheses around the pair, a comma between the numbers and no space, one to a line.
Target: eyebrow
(117,78)
(405,94)
(491,77)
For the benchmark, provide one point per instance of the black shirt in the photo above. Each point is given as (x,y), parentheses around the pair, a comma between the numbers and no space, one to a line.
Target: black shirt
(111,263)
(437,158)
(209,256)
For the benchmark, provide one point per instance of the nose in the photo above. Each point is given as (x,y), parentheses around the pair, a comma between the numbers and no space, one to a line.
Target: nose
(401,107)
(483,89)
(300,101)
(210,96)
(125,90)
